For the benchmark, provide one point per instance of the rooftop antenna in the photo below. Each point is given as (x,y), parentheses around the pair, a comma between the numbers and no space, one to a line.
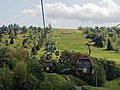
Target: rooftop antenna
(43,17)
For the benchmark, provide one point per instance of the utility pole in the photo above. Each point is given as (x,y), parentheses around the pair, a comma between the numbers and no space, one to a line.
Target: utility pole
(43,17)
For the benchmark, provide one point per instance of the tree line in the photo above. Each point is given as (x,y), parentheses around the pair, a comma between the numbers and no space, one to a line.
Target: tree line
(104,37)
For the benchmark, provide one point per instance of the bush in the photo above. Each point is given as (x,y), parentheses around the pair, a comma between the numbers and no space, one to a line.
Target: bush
(7,57)
(70,59)
(6,79)
(34,50)
(92,88)
(35,68)
(113,70)
(45,85)
(20,76)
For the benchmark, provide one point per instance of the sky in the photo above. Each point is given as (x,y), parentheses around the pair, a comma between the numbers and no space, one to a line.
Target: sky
(61,13)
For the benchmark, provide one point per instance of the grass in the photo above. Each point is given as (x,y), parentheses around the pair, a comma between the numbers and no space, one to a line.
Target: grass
(75,80)
(58,82)
(113,85)
(93,88)
(17,41)
(74,40)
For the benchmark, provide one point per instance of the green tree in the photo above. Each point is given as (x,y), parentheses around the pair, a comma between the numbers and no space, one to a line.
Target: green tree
(6,79)
(34,50)
(35,68)
(7,57)
(46,85)
(109,45)
(6,42)
(99,42)
(20,78)
(112,70)
(12,41)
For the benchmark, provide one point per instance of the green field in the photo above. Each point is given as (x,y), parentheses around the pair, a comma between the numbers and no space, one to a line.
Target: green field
(74,40)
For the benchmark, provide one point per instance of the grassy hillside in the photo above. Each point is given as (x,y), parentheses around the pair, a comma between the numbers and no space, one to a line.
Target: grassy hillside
(58,82)
(74,40)
(93,88)
(113,85)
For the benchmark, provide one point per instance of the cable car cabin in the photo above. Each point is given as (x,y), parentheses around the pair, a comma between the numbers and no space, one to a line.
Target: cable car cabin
(84,67)
(48,66)
(48,56)
(61,59)
(57,53)
(54,48)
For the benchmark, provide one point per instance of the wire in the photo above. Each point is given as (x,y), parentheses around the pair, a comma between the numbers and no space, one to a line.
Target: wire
(103,34)
(88,44)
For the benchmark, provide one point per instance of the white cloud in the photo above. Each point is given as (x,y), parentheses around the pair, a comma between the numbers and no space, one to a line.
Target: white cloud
(104,11)
(32,12)
(53,21)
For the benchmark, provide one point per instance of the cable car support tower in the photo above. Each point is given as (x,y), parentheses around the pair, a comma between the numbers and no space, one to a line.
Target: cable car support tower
(43,18)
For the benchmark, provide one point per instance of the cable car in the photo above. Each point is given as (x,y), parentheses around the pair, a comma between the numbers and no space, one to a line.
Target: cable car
(61,59)
(84,67)
(48,66)
(54,48)
(57,53)
(48,56)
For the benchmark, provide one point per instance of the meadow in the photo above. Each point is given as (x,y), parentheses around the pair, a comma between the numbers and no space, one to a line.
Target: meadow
(74,40)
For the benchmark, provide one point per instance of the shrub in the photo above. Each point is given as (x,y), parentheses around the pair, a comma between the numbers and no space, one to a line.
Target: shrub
(7,57)
(6,79)
(34,50)
(45,85)
(20,76)
(35,68)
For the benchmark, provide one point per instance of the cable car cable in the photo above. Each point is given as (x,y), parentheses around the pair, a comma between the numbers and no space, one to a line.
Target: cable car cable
(103,34)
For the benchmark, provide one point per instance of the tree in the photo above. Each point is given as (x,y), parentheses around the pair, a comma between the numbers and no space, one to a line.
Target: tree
(46,85)
(7,57)
(80,28)
(6,79)
(20,77)
(112,70)
(24,29)
(34,50)
(99,42)
(6,42)
(35,68)
(1,36)
(12,40)
(109,45)
(39,45)
(24,41)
